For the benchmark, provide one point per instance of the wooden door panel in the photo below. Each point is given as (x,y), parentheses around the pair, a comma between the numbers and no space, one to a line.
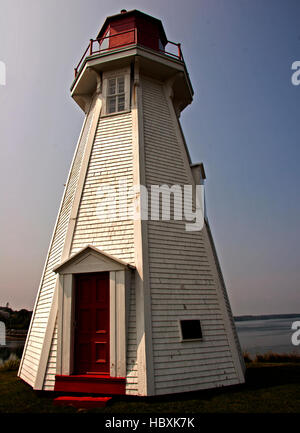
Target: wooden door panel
(101,295)
(84,320)
(101,352)
(84,293)
(84,353)
(101,321)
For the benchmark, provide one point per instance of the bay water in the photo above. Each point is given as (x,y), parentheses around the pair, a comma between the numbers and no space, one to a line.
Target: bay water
(265,335)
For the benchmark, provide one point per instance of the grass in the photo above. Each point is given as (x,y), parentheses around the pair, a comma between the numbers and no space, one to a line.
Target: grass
(269,388)
(271,357)
(12,363)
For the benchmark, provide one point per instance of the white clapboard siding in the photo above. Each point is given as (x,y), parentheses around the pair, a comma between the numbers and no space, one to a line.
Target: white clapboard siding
(227,303)
(111,158)
(49,381)
(131,356)
(32,352)
(182,273)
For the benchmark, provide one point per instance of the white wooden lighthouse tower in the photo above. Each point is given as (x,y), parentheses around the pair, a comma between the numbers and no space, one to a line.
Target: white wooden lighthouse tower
(130,305)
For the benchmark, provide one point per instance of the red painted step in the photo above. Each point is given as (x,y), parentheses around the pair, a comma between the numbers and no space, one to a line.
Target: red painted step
(90,384)
(82,402)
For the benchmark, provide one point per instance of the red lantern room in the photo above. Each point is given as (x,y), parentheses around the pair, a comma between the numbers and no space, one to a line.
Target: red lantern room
(124,39)
(132,27)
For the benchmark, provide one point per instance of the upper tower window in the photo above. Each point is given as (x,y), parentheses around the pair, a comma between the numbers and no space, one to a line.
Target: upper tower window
(116,95)
(116,91)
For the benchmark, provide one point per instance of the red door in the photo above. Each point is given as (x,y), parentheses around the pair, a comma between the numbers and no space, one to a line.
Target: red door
(92,324)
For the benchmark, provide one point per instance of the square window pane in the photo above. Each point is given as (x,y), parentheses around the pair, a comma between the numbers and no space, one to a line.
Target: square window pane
(121,103)
(111,105)
(190,329)
(112,86)
(121,85)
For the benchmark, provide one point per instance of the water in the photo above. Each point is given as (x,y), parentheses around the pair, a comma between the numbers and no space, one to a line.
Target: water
(261,336)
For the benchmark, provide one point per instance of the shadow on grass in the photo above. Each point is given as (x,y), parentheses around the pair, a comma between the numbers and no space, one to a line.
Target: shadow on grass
(266,375)
(258,376)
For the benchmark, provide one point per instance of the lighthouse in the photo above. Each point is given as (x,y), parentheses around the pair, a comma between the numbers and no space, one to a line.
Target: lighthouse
(132,300)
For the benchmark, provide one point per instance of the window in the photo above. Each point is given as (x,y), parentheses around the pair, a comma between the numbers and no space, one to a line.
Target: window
(190,329)
(116,91)
(115,95)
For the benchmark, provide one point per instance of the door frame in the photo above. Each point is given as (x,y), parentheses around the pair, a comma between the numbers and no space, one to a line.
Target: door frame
(120,275)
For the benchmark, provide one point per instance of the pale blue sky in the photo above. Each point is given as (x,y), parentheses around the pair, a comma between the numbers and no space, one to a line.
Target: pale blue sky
(243,124)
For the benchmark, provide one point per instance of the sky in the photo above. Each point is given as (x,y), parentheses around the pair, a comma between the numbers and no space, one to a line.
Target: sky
(243,124)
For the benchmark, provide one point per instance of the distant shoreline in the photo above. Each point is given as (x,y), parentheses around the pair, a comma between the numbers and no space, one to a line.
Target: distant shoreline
(266,317)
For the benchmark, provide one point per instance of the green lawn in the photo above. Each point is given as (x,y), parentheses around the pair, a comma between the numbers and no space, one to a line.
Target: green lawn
(270,388)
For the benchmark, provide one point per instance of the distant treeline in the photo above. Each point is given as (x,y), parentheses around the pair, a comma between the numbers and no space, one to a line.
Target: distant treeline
(15,319)
(266,317)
